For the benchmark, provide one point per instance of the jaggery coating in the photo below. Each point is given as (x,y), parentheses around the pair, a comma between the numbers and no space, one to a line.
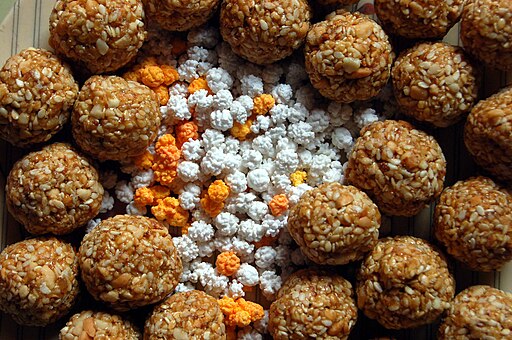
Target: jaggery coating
(402,169)
(98,325)
(186,315)
(98,35)
(418,19)
(478,312)
(472,220)
(129,261)
(313,304)
(334,224)
(404,283)
(435,82)
(348,57)
(488,134)
(181,15)
(38,280)
(486,32)
(264,31)
(53,190)
(115,119)
(37,92)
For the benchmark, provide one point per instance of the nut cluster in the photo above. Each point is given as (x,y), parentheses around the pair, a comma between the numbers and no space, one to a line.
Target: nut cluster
(418,19)
(435,82)
(38,280)
(487,134)
(88,325)
(404,283)
(54,190)
(37,92)
(264,31)
(129,261)
(187,315)
(402,169)
(486,31)
(313,304)
(99,35)
(180,15)
(115,119)
(478,312)
(472,219)
(348,57)
(334,224)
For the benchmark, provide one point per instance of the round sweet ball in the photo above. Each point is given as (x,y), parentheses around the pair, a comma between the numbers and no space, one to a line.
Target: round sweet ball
(313,304)
(472,220)
(180,15)
(115,119)
(99,35)
(418,19)
(37,92)
(435,82)
(186,315)
(401,168)
(98,325)
(334,224)
(488,134)
(348,57)
(478,312)
(404,283)
(129,261)
(38,280)
(53,190)
(486,32)
(264,31)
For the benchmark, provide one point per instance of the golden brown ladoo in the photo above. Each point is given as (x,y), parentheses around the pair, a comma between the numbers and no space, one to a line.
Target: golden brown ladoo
(186,315)
(313,303)
(53,190)
(98,325)
(435,83)
(100,36)
(472,220)
(38,281)
(404,283)
(334,224)
(129,261)
(487,134)
(37,92)
(348,57)
(401,168)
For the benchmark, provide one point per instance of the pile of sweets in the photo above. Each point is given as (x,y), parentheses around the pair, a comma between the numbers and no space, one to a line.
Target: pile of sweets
(219,140)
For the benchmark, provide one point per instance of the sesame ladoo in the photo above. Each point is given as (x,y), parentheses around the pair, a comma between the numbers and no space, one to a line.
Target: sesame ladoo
(435,82)
(37,92)
(313,303)
(38,280)
(193,314)
(472,220)
(348,57)
(487,134)
(115,119)
(334,224)
(98,325)
(486,32)
(404,283)
(264,31)
(53,190)
(129,261)
(478,312)
(418,19)
(100,35)
(402,169)
(180,15)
